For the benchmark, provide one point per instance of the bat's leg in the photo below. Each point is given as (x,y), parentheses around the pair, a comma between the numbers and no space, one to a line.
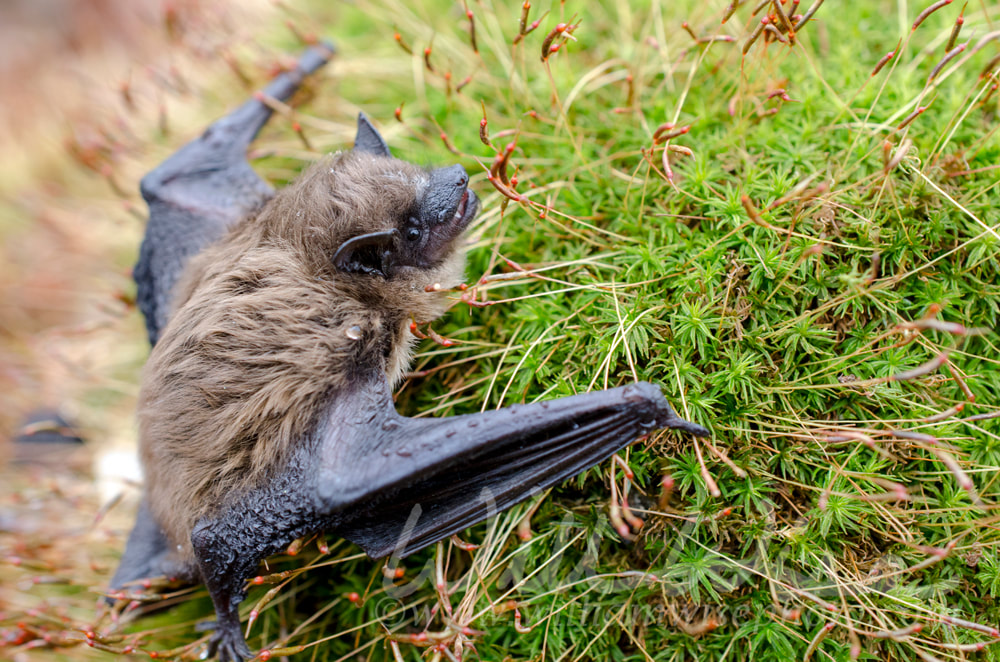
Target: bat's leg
(224,567)
(148,554)
(229,548)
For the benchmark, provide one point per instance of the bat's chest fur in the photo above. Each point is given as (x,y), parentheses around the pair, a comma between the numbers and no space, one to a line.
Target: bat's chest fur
(248,362)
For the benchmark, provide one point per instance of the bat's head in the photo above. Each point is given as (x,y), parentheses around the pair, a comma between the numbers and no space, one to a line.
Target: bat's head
(380,236)
(381,227)
(419,234)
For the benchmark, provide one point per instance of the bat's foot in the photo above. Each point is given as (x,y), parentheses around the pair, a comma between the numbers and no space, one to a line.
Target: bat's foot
(228,645)
(227,550)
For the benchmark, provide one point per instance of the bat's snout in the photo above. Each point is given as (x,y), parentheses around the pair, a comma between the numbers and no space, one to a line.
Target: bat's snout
(446,209)
(448,205)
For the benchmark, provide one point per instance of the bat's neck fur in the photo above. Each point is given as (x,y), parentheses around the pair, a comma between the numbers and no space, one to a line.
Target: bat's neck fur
(265,328)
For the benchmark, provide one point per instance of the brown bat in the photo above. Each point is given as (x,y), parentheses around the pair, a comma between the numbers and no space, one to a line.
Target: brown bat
(280,325)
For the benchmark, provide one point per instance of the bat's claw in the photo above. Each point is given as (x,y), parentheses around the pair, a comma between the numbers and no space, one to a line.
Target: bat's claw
(665,416)
(206,626)
(228,646)
(675,422)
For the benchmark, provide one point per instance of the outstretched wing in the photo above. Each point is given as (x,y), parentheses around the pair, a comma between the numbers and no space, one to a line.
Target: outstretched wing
(396,484)
(202,190)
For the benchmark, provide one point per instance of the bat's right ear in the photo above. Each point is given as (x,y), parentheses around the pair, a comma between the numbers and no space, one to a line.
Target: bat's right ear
(368,138)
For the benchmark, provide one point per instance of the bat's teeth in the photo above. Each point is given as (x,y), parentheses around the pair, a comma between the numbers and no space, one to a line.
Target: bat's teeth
(460,212)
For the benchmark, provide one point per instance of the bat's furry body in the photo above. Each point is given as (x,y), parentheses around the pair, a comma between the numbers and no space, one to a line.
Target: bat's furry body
(279,328)
(266,330)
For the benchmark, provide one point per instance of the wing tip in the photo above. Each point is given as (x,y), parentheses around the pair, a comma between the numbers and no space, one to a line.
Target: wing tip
(675,422)
(666,417)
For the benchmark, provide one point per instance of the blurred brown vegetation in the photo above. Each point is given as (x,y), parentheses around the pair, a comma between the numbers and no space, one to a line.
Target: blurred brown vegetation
(91,88)
(95,93)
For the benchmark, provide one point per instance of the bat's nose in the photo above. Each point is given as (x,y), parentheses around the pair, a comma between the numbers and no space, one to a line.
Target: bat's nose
(452,178)
(444,194)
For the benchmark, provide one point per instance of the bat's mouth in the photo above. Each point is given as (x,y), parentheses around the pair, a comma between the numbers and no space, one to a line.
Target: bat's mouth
(468,205)
(462,204)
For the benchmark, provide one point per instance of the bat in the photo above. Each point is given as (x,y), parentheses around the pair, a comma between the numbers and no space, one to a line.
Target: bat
(280,323)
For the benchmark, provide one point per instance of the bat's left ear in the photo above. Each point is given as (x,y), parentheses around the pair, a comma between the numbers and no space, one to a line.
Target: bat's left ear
(368,138)
(372,254)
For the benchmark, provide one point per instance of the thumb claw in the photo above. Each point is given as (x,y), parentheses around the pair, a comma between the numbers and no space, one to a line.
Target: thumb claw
(675,422)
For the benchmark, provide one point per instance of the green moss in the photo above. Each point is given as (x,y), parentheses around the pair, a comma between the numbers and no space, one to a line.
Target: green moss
(768,330)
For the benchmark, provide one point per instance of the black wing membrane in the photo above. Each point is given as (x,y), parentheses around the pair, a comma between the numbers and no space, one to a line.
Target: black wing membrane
(203,189)
(400,484)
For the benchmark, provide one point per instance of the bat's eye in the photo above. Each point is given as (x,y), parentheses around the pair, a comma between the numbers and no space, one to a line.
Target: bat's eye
(413,234)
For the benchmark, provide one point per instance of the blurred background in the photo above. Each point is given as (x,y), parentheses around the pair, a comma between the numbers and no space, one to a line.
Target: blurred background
(94,93)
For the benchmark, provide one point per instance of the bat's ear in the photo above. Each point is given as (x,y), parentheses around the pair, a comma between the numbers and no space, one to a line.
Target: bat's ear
(368,138)
(372,254)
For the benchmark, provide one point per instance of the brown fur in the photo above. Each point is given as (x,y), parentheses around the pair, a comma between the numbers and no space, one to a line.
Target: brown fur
(259,337)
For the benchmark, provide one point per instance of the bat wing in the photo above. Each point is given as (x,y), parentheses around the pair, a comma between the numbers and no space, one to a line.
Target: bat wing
(397,485)
(203,189)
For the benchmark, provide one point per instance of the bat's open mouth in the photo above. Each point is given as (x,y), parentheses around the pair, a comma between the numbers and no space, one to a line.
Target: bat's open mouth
(466,211)
(462,204)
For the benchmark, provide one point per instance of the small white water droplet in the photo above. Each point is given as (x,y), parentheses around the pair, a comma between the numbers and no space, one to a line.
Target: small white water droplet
(354,332)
